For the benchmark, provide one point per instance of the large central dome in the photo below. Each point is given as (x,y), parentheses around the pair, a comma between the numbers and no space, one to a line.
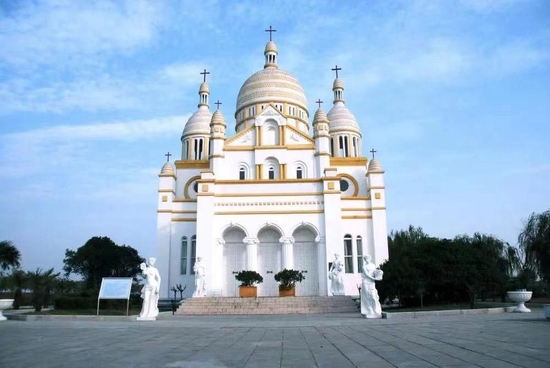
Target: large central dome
(271,85)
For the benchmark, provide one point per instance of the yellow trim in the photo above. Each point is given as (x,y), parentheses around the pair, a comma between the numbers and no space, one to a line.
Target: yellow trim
(164,198)
(356,217)
(177,211)
(364,198)
(204,188)
(296,147)
(322,154)
(332,192)
(215,156)
(167,176)
(349,161)
(377,187)
(331,185)
(208,171)
(167,191)
(282,134)
(378,208)
(164,211)
(176,219)
(261,172)
(290,194)
(356,209)
(192,164)
(205,194)
(377,195)
(299,132)
(355,183)
(184,200)
(258,136)
(186,188)
(238,135)
(269,212)
(239,148)
(269,181)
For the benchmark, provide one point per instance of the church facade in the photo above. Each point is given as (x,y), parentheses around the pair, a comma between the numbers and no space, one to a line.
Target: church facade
(276,194)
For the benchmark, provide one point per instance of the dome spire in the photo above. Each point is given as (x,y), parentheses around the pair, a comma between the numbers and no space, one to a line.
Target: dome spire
(271,51)
(204,90)
(338,86)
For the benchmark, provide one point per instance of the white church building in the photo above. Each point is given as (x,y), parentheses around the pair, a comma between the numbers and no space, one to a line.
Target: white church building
(279,193)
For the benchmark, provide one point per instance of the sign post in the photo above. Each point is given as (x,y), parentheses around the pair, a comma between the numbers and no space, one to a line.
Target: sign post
(115,288)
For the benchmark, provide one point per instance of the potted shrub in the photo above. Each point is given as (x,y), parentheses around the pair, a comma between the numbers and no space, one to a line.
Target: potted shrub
(248,278)
(287,280)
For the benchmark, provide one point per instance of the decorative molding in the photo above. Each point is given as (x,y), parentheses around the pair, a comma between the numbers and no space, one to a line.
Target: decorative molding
(268,181)
(167,191)
(192,164)
(349,161)
(289,194)
(186,187)
(355,209)
(268,203)
(251,240)
(353,180)
(287,239)
(362,198)
(283,212)
(177,219)
(356,217)
(184,200)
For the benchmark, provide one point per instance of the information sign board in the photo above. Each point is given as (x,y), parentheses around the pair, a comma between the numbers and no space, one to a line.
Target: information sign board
(115,288)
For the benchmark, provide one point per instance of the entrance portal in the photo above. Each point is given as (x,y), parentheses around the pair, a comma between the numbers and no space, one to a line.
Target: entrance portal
(269,261)
(234,260)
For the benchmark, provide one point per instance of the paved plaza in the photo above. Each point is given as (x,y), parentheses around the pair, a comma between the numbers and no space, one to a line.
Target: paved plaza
(330,340)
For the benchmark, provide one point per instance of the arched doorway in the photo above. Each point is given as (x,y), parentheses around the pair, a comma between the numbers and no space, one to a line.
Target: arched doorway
(234,259)
(305,260)
(269,260)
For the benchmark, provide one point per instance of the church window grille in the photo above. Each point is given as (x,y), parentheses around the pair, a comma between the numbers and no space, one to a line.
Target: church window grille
(251,111)
(346,147)
(359,253)
(332,147)
(355,146)
(198,146)
(183,266)
(271,173)
(242,173)
(299,173)
(193,252)
(341,146)
(348,254)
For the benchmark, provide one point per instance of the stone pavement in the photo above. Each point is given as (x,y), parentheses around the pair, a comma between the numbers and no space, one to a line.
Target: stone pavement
(321,340)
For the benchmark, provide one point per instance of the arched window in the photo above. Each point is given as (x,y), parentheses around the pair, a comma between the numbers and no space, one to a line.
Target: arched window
(348,254)
(359,253)
(183,264)
(242,173)
(198,146)
(340,146)
(332,147)
(271,172)
(355,147)
(193,252)
(346,146)
(271,133)
(299,172)
(185,150)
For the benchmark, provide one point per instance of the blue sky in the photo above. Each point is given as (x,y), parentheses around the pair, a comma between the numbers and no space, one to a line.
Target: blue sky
(454,95)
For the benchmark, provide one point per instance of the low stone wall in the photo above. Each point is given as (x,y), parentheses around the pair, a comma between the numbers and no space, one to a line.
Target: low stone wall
(441,313)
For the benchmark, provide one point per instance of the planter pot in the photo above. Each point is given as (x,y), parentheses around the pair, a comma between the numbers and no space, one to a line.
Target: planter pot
(520,297)
(248,291)
(287,292)
(5,304)
(547,311)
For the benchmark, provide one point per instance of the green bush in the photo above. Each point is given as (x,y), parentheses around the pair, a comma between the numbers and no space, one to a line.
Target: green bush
(288,278)
(249,278)
(74,302)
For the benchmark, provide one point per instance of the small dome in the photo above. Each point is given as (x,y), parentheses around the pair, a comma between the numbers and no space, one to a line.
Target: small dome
(167,169)
(270,47)
(375,167)
(198,123)
(341,118)
(338,84)
(217,119)
(204,88)
(320,116)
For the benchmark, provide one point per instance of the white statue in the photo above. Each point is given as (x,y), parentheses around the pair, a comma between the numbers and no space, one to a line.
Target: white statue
(200,278)
(335,276)
(150,291)
(370,303)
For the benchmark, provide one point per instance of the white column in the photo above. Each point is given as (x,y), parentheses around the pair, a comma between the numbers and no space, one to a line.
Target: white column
(217,277)
(288,251)
(322,270)
(251,253)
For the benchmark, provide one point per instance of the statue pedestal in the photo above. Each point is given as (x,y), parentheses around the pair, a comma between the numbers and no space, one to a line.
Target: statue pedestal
(146,319)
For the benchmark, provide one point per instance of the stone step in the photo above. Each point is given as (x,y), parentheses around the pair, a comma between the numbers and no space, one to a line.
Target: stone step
(268,305)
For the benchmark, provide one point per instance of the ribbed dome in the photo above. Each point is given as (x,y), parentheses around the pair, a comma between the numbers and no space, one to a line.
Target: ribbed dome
(217,118)
(320,116)
(337,84)
(167,169)
(374,166)
(341,118)
(204,88)
(270,47)
(271,85)
(198,123)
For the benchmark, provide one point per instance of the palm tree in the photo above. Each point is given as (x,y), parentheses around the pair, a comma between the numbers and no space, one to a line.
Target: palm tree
(9,255)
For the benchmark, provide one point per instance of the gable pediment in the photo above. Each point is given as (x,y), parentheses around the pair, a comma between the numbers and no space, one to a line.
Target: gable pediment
(245,138)
(294,136)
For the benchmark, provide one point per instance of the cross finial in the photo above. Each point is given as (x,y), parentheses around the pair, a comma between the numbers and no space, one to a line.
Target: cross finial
(204,73)
(270,30)
(373,151)
(336,70)
(218,103)
(319,102)
(168,156)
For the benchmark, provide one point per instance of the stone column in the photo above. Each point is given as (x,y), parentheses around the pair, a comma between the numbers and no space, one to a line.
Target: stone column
(251,253)
(322,270)
(288,251)
(217,278)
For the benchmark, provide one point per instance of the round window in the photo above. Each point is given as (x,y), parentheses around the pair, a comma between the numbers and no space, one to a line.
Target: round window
(344,185)
(196,187)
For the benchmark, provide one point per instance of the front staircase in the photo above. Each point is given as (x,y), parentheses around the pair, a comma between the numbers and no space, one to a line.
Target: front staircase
(268,305)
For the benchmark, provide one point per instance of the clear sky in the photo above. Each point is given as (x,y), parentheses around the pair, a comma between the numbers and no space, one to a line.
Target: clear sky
(454,95)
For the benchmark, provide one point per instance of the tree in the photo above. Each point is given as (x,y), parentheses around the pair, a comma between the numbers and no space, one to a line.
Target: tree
(41,283)
(534,241)
(101,257)
(9,255)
